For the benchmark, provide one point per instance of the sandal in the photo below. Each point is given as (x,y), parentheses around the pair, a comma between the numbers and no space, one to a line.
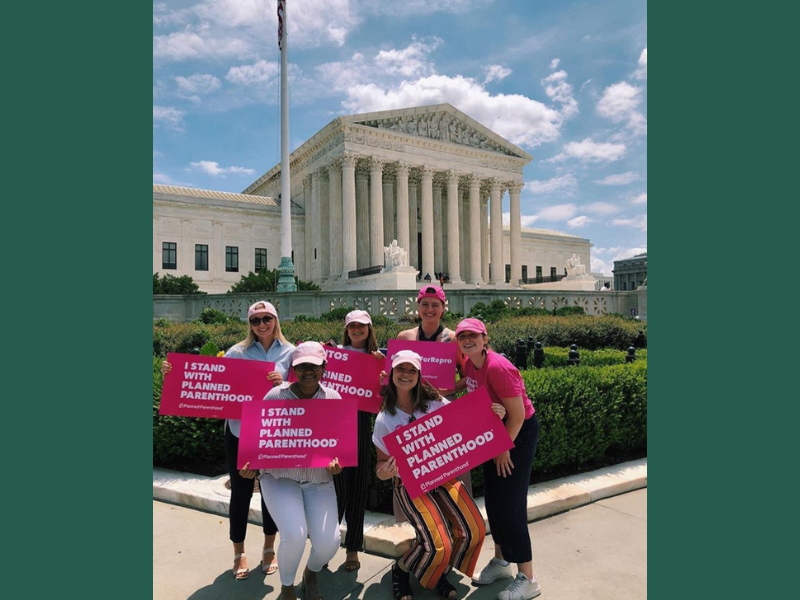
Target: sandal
(352,564)
(268,569)
(244,572)
(445,589)
(401,584)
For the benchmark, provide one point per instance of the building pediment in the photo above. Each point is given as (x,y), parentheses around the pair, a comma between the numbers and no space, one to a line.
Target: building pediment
(442,122)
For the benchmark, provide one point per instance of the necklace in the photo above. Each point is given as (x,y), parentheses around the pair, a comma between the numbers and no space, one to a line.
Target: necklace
(421,334)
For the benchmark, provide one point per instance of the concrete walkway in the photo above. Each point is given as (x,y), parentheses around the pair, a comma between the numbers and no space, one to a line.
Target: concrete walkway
(593,546)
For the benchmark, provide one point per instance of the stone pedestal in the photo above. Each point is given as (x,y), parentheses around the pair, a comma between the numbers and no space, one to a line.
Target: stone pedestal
(398,278)
(570,283)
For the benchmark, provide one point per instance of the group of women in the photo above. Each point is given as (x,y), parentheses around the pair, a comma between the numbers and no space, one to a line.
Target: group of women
(450,531)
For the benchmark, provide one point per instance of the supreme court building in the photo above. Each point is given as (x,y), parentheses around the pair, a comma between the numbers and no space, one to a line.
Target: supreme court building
(430,177)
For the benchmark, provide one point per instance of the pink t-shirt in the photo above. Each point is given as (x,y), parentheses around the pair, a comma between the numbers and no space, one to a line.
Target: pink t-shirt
(501,378)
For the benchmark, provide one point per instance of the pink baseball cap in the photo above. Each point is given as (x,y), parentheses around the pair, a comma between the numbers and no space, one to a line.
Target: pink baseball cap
(407,356)
(260,307)
(357,316)
(308,352)
(431,291)
(475,325)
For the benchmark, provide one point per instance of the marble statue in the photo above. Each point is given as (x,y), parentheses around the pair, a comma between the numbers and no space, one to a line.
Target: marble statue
(395,256)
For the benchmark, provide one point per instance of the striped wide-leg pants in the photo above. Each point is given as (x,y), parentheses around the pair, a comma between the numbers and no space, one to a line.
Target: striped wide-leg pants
(450,531)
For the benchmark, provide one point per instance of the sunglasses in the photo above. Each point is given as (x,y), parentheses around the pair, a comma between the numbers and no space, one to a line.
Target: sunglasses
(412,418)
(307,367)
(256,321)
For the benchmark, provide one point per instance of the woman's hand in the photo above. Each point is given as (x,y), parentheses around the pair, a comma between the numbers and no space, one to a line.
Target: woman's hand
(247,472)
(384,378)
(499,410)
(378,355)
(503,464)
(165,367)
(334,468)
(275,377)
(386,469)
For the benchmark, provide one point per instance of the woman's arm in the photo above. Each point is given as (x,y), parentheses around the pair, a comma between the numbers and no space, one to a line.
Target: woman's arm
(387,467)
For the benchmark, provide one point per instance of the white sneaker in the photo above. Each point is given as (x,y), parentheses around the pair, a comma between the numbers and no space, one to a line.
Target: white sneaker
(492,572)
(521,588)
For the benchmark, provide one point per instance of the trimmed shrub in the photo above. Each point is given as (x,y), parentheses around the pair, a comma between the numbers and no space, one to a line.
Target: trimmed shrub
(169,284)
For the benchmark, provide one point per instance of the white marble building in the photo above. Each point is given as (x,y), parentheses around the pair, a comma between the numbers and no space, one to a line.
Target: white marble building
(430,177)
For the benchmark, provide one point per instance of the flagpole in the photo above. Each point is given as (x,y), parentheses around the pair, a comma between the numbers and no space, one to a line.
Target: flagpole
(286,269)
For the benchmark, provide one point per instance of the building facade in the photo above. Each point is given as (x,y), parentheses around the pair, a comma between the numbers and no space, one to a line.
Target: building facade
(630,273)
(430,177)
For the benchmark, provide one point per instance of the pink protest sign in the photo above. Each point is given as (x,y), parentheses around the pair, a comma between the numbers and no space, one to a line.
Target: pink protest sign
(282,434)
(213,387)
(354,374)
(438,360)
(447,442)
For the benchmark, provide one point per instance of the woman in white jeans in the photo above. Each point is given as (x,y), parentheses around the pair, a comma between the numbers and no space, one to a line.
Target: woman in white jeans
(302,501)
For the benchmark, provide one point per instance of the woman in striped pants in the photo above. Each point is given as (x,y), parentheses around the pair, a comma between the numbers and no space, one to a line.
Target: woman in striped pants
(450,529)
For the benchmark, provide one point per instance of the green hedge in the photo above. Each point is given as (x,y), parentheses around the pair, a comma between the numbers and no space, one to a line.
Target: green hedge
(588,332)
(557,357)
(589,416)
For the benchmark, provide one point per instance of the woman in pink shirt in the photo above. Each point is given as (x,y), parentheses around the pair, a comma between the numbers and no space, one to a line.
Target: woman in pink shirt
(507,476)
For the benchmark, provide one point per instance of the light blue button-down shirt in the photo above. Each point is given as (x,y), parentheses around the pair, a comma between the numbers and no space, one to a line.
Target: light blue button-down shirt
(280,353)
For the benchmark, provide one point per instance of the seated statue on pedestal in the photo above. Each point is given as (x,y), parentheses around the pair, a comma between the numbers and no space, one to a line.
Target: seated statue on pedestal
(395,256)
(574,266)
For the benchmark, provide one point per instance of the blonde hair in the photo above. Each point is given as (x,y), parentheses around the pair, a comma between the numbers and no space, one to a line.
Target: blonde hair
(277,334)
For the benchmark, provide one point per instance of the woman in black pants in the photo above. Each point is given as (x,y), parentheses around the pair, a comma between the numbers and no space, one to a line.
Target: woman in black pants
(507,476)
(264,342)
(351,484)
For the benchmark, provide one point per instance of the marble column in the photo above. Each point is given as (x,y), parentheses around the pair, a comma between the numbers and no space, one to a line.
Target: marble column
(324,252)
(335,220)
(349,230)
(316,224)
(403,231)
(376,212)
(413,223)
(427,220)
(438,254)
(514,189)
(453,258)
(496,234)
(484,235)
(475,229)
(463,229)
(389,232)
(362,216)
(308,208)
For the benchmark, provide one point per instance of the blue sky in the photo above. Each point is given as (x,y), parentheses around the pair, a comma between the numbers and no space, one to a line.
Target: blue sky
(566,81)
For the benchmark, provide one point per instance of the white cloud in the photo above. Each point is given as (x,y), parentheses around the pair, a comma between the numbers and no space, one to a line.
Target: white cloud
(554,64)
(641,72)
(496,73)
(618,179)
(602,208)
(261,72)
(558,90)
(577,222)
(605,264)
(213,168)
(567,182)
(417,8)
(590,151)
(410,61)
(558,212)
(171,118)
(619,103)
(237,29)
(194,86)
(640,199)
(513,116)
(639,222)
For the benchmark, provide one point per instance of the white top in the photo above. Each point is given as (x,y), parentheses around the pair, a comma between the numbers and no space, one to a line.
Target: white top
(386,423)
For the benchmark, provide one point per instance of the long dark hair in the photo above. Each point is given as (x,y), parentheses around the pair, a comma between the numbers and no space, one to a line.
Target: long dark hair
(372,342)
(422,393)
